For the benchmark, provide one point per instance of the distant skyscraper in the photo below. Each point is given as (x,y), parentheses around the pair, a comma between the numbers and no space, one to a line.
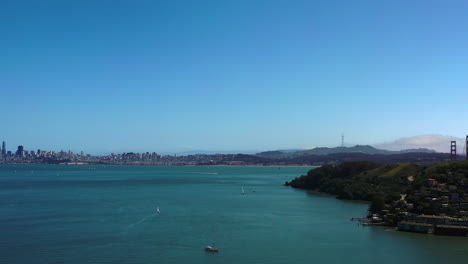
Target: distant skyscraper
(20,151)
(3,148)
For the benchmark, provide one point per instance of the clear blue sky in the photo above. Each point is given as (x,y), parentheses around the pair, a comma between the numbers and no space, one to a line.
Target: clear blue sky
(172,76)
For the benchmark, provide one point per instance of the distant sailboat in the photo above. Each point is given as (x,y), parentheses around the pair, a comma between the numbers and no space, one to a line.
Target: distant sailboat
(243,193)
(211,249)
(157,210)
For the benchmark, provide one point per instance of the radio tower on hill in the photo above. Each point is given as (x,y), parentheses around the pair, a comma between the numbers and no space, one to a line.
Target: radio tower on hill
(342,140)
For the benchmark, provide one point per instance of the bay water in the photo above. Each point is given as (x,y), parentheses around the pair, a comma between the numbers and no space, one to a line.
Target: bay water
(107,214)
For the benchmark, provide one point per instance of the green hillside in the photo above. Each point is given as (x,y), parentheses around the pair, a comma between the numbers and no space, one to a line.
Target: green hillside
(441,188)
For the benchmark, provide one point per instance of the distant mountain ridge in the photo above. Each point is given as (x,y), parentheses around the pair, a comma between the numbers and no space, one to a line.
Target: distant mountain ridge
(365,149)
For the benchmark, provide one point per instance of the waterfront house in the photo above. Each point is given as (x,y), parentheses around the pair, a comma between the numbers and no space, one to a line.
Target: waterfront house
(432,219)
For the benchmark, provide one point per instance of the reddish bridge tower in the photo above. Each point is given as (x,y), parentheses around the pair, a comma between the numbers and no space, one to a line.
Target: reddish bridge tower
(466,146)
(453,150)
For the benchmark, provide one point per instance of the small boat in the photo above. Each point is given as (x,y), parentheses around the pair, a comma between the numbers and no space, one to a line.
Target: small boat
(211,249)
(157,210)
(243,193)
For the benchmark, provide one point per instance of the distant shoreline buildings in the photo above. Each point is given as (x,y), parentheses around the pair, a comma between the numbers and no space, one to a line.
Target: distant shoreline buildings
(23,156)
(21,153)
(313,157)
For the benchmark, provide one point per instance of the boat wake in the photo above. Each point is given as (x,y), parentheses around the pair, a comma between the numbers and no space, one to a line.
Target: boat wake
(139,222)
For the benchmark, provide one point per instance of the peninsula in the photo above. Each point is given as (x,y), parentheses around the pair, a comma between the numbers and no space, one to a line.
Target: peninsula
(426,199)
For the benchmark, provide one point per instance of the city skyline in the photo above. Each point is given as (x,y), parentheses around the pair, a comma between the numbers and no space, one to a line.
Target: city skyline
(431,142)
(172,77)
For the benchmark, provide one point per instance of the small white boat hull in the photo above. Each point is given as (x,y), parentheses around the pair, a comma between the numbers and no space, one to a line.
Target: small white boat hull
(211,249)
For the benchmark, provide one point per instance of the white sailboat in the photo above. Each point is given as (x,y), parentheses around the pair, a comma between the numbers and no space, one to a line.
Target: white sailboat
(211,249)
(157,210)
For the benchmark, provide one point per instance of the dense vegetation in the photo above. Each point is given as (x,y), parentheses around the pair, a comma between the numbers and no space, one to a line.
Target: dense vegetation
(362,180)
(451,189)
(385,184)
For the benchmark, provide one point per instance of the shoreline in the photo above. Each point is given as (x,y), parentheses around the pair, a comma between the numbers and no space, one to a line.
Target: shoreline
(174,165)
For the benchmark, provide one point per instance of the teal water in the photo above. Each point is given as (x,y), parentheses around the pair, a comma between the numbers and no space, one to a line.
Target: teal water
(106,214)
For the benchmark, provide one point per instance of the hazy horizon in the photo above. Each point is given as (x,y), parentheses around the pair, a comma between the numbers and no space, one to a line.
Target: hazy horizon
(438,143)
(176,76)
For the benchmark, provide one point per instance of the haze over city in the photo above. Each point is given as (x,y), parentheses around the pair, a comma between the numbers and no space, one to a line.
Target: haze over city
(177,76)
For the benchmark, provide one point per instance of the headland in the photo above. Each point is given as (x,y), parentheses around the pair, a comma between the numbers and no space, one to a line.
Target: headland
(411,197)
